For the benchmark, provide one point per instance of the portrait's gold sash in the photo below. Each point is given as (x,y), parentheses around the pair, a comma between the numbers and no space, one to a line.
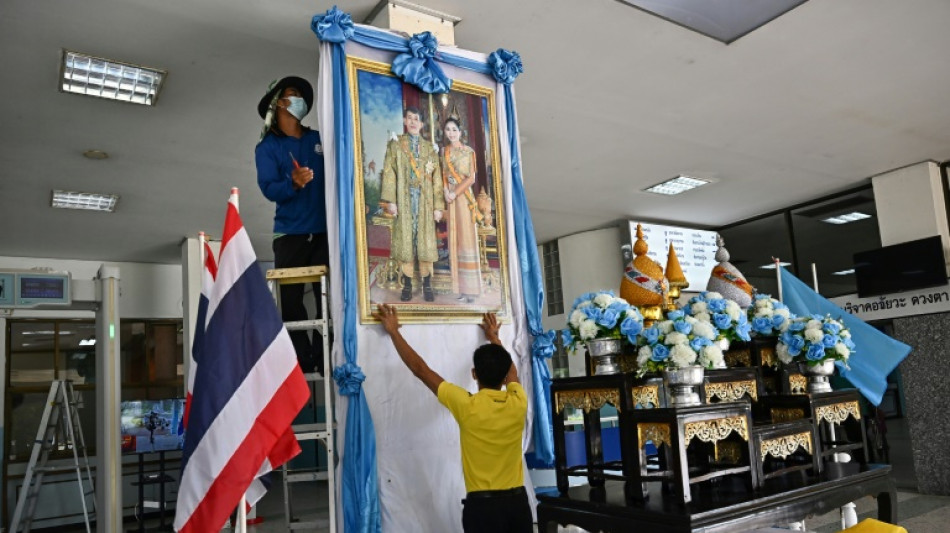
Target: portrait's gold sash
(472,204)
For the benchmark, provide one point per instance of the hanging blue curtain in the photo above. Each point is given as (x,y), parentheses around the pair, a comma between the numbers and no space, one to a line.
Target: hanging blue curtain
(360,485)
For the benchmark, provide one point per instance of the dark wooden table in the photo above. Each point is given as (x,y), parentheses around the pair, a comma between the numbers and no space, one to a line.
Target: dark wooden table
(726,508)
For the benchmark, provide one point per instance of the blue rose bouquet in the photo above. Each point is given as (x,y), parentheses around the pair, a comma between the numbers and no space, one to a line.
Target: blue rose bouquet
(679,341)
(768,316)
(724,314)
(815,339)
(601,315)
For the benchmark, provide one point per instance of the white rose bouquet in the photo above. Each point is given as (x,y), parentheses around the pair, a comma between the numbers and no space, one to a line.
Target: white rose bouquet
(679,341)
(724,314)
(601,315)
(815,339)
(768,316)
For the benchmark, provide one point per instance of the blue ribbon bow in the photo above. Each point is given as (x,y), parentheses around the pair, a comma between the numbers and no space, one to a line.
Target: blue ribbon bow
(349,377)
(543,346)
(505,65)
(335,26)
(418,66)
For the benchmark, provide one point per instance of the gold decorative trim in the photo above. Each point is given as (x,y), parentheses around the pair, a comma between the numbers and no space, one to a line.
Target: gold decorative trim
(838,412)
(586,399)
(658,433)
(646,395)
(717,429)
(786,414)
(427,313)
(785,445)
(768,356)
(742,357)
(732,391)
(798,384)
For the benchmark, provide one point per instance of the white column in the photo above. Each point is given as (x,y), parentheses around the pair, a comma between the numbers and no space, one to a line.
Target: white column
(910,204)
(108,396)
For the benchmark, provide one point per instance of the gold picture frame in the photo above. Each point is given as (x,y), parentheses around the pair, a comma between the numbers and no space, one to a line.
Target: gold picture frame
(451,168)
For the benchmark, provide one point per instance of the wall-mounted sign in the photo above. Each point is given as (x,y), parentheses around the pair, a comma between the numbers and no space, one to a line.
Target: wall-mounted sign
(31,289)
(919,302)
(7,284)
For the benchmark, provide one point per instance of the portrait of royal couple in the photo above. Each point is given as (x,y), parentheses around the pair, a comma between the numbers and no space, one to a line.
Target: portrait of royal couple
(423,184)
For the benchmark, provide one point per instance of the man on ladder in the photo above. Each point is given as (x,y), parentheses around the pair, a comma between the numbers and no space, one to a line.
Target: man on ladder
(289,160)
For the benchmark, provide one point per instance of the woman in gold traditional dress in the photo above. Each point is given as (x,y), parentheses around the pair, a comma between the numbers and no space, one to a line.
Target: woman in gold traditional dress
(458,175)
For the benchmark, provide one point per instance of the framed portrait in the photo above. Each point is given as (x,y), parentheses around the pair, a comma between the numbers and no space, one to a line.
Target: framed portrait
(431,238)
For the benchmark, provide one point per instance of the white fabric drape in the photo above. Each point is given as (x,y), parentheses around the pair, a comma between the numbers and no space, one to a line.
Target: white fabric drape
(418,456)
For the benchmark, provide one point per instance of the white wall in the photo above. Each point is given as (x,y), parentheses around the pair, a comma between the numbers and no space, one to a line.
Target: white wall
(147,290)
(590,261)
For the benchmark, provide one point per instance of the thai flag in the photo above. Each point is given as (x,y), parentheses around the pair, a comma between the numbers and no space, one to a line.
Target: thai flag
(248,390)
(208,273)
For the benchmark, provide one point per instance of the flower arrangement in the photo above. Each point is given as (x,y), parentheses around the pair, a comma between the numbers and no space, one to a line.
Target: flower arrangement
(768,316)
(814,340)
(679,341)
(601,315)
(724,314)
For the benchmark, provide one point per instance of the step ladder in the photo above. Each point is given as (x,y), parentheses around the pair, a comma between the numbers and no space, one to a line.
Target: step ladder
(321,433)
(59,428)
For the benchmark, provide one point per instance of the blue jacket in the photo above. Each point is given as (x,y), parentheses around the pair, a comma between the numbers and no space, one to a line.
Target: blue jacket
(299,211)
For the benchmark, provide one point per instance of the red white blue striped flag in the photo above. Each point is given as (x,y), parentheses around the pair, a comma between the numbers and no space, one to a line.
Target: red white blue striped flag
(208,272)
(248,390)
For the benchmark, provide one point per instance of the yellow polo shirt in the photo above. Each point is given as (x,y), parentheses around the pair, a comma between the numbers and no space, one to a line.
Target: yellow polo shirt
(491,423)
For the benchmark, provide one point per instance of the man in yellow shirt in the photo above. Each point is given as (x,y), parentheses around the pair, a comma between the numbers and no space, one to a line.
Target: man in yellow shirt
(491,424)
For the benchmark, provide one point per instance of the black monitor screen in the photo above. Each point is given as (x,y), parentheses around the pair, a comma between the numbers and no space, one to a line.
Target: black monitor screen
(902,267)
(152,425)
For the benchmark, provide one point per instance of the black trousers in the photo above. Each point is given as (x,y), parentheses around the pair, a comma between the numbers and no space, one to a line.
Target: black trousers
(502,511)
(292,251)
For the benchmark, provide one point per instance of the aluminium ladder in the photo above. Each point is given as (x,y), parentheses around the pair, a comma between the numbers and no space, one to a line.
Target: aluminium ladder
(59,428)
(321,433)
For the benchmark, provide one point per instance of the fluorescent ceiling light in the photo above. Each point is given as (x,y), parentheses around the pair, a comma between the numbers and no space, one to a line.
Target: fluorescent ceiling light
(771,266)
(843,272)
(84,200)
(87,342)
(46,332)
(853,216)
(677,185)
(108,78)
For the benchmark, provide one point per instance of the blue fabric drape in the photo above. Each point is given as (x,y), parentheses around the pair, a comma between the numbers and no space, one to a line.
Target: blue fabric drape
(360,494)
(533,289)
(360,485)
(876,355)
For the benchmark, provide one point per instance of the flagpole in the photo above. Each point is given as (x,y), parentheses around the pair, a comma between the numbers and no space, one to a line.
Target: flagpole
(814,277)
(778,277)
(241,526)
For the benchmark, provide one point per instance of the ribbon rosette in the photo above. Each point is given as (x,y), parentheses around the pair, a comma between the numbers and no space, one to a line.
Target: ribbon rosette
(543,345)
(334,26)
(349,377)
(418,66)
(505,65)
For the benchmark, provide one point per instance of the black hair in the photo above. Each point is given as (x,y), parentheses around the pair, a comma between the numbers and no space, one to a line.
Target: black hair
(492,363)
(413,109)
(454,121)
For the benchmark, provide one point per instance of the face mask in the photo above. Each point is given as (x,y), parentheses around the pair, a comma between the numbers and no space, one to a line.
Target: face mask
(297,107)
